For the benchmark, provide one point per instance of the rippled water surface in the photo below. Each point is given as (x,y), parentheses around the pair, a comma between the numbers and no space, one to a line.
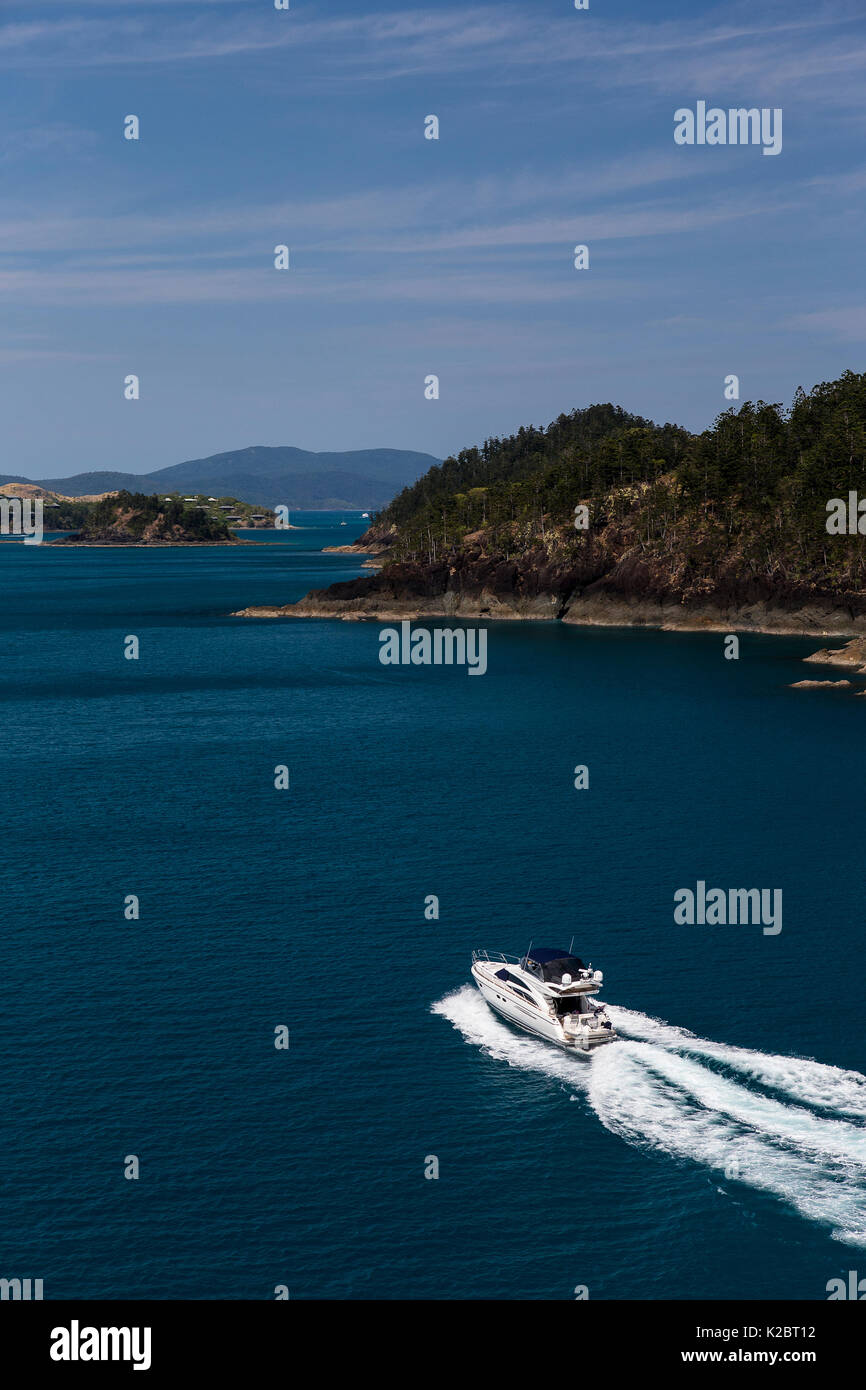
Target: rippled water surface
(694,1158)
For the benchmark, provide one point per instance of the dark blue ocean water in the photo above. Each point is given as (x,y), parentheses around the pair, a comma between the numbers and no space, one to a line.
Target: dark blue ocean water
(305,907)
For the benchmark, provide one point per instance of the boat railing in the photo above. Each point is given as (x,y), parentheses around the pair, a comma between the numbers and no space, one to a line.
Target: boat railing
(496,956)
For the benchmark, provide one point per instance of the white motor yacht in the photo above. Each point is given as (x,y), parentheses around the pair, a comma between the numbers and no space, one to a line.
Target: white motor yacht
(548,992)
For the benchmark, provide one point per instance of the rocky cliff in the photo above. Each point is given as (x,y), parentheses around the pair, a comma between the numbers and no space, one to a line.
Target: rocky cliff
(605,517)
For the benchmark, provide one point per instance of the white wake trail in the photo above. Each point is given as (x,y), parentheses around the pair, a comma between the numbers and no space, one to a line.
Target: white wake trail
(628,1102)
(814,1083)
(466,1009)
(656,1091)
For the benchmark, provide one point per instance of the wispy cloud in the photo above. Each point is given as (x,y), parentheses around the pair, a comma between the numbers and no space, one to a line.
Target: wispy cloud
(347,244)
(210,287)
(823,51)
(482,278)
(847,324)
(262,127)
(50,139)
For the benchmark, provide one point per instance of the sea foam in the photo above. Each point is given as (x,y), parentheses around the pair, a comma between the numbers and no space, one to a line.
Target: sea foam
(782,1125)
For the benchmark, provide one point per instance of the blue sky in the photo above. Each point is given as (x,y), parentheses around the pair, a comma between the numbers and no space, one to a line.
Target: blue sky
(411,256)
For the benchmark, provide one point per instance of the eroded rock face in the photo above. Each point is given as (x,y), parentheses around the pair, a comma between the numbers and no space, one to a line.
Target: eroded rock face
(608,580)
(852,654)
(822,685)
(533,586)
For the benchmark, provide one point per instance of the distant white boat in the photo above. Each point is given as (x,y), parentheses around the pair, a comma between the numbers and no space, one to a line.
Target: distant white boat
(342,523)
(365,514)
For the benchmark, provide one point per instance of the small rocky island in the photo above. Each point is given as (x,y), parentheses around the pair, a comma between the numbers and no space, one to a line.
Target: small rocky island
(134,519)
(852,655)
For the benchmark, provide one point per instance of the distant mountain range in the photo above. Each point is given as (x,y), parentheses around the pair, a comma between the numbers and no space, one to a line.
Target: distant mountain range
(361,479)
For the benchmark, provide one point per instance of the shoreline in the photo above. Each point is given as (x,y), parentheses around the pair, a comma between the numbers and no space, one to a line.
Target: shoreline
(375,554)
(150,545)
(809,621)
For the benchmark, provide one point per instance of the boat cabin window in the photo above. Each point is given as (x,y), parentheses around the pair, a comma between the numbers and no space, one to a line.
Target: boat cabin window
(516,984)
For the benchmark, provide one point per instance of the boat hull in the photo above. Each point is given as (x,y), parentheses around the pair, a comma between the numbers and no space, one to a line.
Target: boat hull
(529,1019)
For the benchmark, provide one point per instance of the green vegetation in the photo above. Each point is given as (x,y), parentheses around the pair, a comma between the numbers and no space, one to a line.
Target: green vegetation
(134,513)
(66,516)
(747,496)
(130,518)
